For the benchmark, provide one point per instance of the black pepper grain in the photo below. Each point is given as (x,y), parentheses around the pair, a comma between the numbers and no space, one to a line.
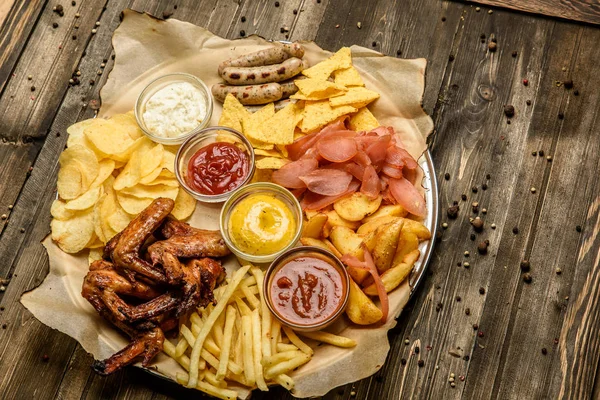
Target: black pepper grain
(568,84)
(55,25)
(578,228)
(443,19)
(514,53)
(473,237)
(475,327)
(482,248)
(421,363)
(463,197)
(447,176)
(561,115)
(466,358)
(243,19)
(515,230)
(492,46)
(458,299)
(45,358)
(468,311)
(484,186)
(276,4)
(525,266)
(509,110)
(541,153)
(544,351)
(576,92)
(295,11)
(488,177)
(528,102)
(477,224)
(480,334)
(527,278)
(242,33)
(451,57)
(403,361)
(417,350)
(33,88)
(453,211)
(481,290)
(374,44)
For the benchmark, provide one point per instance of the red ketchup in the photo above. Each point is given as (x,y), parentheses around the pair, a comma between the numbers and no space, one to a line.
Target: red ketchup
(307,290)
(217,168)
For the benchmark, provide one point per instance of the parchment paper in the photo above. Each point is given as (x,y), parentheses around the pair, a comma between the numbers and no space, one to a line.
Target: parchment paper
(147,48)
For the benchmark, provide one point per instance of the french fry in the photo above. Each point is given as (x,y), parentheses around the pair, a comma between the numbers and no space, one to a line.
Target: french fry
(226,347)
(217,330)
(220,393)
(257,351)
(238,357)
(211,378)
(247,349)
(281,347)
(285,381)
(265,313)
(181,347)
(297,341)
(330,338)
(206,328)
(244,309)
(275,359)
(249,281)
(287,366)
(275,334)
(250,297)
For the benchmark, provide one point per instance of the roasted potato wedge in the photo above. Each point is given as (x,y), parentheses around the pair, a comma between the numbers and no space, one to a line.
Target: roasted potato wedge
(322,243)
(375,223)
(386,242)
(347,242)
(356,207)
(394,276)
(333,219)
(332,248)
(407,243)
(417,228)
(311,213)
(314,227)
(387,211)
(361,310)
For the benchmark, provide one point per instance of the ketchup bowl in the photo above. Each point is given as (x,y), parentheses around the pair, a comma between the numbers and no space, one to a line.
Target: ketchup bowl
(213,163)
(306,288)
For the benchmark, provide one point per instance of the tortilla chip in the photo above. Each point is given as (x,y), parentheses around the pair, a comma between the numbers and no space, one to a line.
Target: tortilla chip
(342,59)
(262,175)
(279,129)
(313,89)
(320,113)
(270,163)
(268,153)
(252,126)
(233,113)
(283,149)
(354,95)
(348,77)
(363,120)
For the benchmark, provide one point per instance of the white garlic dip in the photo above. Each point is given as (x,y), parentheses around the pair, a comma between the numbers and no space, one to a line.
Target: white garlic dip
(175,110)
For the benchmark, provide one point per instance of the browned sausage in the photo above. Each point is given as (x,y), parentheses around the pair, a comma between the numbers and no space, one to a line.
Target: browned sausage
(273,55)
(250,94)
(264,74)
(288,88)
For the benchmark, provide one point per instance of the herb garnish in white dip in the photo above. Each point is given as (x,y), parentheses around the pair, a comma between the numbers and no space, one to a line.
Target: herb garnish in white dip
(175,110)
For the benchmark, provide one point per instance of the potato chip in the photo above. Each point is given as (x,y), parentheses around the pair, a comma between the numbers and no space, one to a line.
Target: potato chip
(271,163)
(168,161)
(69,183)
(76,135)
(363,120)
(105,169)
(58,210)
(106,137)
(233,113)
(342,59)
(151,192)
(131,174)
(95,255)
(97,218)
(152,159)
(354,95)
(119,219)
(164,181)
(128,124)
(86,161)
(184,205)
(133,205)
(95,243)
(279,129)
(314,89)
(152,175)
(75,233)
(348,77)
(85,201)
(107,208)
(319,113)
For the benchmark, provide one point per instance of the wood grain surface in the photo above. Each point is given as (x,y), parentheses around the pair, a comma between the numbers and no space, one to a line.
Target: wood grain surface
(501,337)
(575,10)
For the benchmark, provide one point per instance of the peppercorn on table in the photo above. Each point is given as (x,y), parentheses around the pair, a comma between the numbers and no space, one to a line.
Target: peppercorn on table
(509,306)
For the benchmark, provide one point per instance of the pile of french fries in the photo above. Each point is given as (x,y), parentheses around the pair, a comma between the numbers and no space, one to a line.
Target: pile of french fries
(238,343)
(356,222)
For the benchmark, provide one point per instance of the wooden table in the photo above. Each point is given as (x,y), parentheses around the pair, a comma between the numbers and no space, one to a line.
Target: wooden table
(501,337)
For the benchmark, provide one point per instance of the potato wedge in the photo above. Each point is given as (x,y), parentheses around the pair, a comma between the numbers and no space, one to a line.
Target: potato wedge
(394,276)
(361,310)
(386,242)
(356,207)
(417,228)
(373,224)
(333,219)
(311,213)
(387,211)
(332,248)
(314,227)
(347,242)
(407,243)
(370,240)
(307,241)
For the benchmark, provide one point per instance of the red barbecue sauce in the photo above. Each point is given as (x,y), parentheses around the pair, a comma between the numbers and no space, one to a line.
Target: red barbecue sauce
(217,168)
(307,290)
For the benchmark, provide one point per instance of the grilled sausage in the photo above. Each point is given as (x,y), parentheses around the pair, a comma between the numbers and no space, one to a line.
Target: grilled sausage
(250,94)
(272,55)
(264,74)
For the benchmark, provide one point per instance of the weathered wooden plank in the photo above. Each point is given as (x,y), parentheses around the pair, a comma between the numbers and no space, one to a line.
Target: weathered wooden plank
(576,10)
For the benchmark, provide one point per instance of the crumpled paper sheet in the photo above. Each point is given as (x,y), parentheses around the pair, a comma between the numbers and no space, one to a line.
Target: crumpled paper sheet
(147,48)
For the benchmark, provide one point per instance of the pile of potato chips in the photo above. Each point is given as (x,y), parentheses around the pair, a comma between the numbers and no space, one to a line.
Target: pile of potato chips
(320,101)
(108,174)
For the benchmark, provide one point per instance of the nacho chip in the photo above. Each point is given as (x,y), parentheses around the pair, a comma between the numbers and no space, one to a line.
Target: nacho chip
(354,95)
(319,113)
(342,59)
(271,163)
(268,153)
(348,77)
(314,89)
(233,113)
(279,129)
(262,175)
(283,150)
(363,120)
(252,126)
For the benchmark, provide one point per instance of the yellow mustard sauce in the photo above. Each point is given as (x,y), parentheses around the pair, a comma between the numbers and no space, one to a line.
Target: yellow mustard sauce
(261,224)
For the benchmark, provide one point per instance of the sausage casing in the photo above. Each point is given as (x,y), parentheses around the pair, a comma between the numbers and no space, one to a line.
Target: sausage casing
(273,55)
(264,74)
(250,94)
